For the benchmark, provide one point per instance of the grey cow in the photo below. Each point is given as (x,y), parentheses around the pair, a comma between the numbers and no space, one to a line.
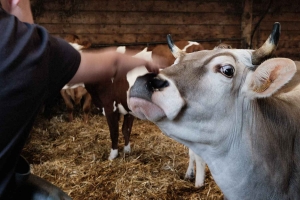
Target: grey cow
(235,109)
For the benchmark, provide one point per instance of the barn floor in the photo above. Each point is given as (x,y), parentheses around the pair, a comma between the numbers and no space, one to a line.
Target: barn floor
(74,156)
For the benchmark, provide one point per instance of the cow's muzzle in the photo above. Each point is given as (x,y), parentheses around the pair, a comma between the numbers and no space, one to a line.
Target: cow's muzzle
(141,97)
(155,97)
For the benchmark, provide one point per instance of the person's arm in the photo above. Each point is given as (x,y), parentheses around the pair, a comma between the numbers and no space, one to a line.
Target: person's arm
(95,66)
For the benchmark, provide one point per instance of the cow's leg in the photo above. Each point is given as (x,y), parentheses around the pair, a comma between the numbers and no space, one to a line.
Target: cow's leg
(200,171)
(69,104)
(126,130)
(113,124)
(190,172)
(86,107)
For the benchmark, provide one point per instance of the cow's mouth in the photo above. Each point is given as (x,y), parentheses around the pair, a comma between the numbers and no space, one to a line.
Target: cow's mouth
(154,97)
(144,109)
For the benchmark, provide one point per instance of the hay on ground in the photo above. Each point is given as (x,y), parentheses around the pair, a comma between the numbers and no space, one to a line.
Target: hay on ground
(74,156)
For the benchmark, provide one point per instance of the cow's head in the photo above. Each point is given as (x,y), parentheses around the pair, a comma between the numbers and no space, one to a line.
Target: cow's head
(204,86)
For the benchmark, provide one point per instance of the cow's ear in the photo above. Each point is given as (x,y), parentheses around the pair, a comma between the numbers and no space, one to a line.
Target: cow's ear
(269,77)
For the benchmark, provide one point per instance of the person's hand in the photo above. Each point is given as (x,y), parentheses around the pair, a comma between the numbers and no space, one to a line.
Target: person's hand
(152,67)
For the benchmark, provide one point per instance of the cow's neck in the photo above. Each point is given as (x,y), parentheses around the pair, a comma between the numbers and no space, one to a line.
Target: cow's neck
(262,156)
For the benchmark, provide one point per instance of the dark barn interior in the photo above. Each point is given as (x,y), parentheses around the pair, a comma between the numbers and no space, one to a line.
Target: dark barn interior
(74,155)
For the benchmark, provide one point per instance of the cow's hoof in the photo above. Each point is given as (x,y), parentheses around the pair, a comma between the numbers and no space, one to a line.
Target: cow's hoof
(200,178)
(127,148)
(113,154)
(198,185)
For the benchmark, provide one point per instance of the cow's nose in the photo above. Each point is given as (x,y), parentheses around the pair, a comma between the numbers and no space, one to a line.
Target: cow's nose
(145,85)
(157,84)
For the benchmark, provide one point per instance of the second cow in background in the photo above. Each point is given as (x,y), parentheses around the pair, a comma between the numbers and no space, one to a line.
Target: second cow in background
(112,96)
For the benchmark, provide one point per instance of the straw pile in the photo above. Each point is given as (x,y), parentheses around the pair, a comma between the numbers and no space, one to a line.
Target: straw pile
(74,156)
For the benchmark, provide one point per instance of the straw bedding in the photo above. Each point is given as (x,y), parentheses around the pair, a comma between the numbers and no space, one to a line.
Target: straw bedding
(74,156)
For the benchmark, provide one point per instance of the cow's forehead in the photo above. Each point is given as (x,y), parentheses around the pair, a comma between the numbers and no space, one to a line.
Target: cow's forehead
(240,55)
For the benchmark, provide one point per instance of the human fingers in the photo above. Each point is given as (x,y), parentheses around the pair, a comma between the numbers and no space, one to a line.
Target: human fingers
(152,67)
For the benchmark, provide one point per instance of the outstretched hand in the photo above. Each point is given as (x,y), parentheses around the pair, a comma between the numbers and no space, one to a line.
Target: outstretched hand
(152,67)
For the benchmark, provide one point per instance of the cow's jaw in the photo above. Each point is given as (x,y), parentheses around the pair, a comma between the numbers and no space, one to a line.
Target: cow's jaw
(160,98)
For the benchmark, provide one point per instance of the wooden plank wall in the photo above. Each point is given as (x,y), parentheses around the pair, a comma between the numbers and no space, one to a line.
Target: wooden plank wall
(114,22)
(147,22)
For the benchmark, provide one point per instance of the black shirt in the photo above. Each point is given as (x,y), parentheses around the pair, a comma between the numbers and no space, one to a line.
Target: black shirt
(33,66)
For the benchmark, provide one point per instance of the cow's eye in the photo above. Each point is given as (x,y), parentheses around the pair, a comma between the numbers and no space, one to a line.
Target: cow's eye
(227,70)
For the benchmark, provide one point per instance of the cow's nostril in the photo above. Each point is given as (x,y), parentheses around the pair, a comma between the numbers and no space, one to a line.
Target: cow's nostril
(157,84)
(145,85)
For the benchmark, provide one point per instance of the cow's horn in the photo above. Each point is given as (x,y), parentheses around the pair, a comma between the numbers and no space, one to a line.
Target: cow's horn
(174,49)
(267,49)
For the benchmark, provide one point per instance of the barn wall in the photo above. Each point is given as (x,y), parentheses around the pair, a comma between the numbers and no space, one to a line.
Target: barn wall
(147,22)
(109,22)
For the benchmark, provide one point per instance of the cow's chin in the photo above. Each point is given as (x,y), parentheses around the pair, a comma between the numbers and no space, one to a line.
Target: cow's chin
(144,109)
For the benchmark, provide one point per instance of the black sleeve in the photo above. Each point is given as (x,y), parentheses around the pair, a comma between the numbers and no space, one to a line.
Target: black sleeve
(63,63)
(33,65)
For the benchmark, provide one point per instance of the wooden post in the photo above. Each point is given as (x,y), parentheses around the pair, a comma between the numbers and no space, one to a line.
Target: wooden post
(246,24)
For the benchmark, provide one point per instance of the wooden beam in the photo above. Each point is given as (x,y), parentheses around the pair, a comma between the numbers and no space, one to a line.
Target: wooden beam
(246,24)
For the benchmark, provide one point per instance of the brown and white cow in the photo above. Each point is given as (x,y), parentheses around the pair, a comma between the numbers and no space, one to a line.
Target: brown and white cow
(112,96)
(75,94)
(238,112)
